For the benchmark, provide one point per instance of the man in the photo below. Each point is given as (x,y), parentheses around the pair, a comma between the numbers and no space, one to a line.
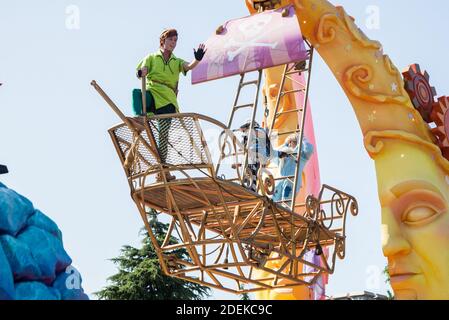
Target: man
(286,157)
(259,149)
(162,70)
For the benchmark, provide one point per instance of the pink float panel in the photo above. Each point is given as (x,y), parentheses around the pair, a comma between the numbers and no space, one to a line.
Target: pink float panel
(252,43)
(312,183)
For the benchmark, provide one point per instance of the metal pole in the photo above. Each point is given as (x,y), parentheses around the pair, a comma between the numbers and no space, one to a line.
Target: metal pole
(231,118)
(144,95)
(253,120)
(236,101)
(294,265)
(111,104)
(301,137)
(126,120)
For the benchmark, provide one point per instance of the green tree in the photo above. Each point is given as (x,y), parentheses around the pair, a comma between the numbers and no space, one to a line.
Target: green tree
(140,276)
(244,296)
(388,281)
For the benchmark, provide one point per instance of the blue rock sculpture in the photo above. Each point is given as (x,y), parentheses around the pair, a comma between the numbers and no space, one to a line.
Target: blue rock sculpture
(6,280)
(14,211)
(68,283)
(20,258)
(47,251)
(33,262)
(41,221)
(36,291)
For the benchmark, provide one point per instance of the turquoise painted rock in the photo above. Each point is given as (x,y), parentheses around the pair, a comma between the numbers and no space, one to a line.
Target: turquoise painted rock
(14,211)
(7,291)
(33,262)
(68,283)
(35,291)
(41,221)
(47,251)
(24,266)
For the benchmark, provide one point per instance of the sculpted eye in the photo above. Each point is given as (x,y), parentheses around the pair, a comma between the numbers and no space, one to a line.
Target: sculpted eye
(420,214)
(419,207)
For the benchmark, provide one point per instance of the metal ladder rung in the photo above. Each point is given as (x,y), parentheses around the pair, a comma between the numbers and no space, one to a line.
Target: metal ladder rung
(292,91)
(283,201)
(297,71)
(302,85)
(285,178)
(236,154)
(244,84)
(232,155)
(286,133)
(244,106)
(289,111)
(298,68)
(237,106)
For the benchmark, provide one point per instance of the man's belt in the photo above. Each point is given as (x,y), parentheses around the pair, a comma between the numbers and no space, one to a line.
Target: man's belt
(175,90)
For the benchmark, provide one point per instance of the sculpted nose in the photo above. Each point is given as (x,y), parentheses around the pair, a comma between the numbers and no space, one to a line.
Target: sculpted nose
(393,241)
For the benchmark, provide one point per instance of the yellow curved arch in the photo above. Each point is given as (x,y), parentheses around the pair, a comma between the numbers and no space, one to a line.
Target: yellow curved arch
(395,136)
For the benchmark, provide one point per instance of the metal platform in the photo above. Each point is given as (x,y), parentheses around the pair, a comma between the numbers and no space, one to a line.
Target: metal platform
(227,230)
(196,196)
(220,209)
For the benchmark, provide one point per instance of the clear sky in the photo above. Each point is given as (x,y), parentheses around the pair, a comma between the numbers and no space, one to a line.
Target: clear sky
(53,125)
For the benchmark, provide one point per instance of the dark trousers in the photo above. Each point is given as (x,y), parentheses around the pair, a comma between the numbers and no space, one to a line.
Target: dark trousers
(164,130)
(254,171)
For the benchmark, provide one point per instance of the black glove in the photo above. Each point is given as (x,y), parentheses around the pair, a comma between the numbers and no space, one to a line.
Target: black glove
(283,155)
(199,54)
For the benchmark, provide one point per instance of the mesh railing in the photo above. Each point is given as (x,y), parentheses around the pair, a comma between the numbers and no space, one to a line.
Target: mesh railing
(125,140)
(179,141)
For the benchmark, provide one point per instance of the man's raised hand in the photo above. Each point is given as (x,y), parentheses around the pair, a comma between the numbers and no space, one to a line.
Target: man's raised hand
(200,52)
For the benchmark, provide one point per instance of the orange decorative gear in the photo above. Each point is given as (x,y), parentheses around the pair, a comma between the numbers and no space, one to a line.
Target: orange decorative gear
(420,91)
(264,4)
(440,116)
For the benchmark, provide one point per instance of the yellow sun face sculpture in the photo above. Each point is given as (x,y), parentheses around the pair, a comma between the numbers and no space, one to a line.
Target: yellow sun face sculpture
(415,220)
(412,173)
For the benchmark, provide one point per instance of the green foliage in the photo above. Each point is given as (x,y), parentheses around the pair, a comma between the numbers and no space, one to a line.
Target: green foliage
(388,281)
(244,296)
(140,276)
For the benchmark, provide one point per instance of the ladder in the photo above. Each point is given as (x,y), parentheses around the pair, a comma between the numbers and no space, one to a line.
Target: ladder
(253,106)
(249,107)
(299,111)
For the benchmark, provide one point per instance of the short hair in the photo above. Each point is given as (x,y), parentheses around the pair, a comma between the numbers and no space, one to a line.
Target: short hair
(292,138)
(248,123)
(167,33)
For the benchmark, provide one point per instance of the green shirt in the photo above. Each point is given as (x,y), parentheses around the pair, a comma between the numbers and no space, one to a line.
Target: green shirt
(165,76)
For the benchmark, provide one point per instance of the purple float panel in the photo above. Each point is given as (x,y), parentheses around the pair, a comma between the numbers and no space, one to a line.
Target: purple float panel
(256,42)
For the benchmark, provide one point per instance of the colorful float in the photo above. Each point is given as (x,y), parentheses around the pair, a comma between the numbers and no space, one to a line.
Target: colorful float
(223,207)
(240,238)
